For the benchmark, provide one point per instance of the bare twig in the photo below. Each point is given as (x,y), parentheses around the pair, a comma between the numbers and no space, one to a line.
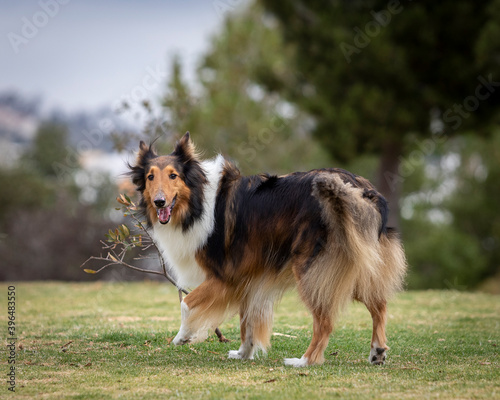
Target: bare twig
(122,263)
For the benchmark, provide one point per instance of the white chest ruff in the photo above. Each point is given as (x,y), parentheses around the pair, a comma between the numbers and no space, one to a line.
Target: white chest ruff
(179,251)
(179,248)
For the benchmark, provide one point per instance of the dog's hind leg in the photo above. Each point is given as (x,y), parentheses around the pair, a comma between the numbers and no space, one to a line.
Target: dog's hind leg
(203,309)
(323,319)
(246,350)
(325,287)
(322,328)
(378,311)
(374,293)
(255,328)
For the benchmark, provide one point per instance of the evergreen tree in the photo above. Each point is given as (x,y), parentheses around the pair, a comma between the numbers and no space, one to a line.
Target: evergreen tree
(376,74)
(49,148)
(228,111)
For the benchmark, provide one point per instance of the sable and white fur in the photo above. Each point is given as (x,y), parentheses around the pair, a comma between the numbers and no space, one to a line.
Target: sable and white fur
(241,241)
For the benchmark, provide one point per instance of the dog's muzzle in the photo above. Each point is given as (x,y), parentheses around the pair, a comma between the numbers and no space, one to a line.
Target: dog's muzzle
(164,212)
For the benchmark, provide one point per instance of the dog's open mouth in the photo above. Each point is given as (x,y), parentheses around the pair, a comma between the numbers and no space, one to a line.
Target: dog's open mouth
(165,213)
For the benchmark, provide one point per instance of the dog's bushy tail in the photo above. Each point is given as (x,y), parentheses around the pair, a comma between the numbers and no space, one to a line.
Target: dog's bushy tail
(360,260)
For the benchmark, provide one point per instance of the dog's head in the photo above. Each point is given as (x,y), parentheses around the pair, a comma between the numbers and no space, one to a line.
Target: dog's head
(171,185)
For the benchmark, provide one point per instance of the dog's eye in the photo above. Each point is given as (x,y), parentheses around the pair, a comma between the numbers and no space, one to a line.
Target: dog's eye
(151,177)
(173,176)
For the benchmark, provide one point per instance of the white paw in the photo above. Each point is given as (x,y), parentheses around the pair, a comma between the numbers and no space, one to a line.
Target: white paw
(179,340)
(296,362)
(239,355)
(234,354)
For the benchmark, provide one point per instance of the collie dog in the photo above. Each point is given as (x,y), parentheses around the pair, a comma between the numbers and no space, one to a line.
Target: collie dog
(240,241)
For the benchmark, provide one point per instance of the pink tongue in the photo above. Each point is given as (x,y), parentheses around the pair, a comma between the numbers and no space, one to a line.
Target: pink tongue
(164,214)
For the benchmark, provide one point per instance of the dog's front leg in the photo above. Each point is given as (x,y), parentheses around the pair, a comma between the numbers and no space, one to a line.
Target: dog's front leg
(201,310)
(186,333)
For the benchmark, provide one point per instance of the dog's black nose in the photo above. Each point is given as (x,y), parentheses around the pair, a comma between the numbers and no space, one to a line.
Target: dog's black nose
(159,203)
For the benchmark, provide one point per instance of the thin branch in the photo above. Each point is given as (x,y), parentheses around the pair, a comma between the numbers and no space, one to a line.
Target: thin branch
(124,264)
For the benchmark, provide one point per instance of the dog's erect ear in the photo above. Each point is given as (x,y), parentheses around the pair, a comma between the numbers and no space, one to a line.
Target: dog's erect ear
(145,153)
(185,149)
(138,170)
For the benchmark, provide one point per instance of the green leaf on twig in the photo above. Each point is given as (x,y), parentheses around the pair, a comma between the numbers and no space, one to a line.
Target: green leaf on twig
(124,199)
(124,229)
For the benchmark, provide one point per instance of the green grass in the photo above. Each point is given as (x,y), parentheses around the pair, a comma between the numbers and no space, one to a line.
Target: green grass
(101,341)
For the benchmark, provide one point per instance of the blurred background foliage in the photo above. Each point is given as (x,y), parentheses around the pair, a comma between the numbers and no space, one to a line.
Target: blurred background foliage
(387,90)
(47,224)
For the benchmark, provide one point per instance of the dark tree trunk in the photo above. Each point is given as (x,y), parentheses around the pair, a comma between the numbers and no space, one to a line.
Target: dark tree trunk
(390,180)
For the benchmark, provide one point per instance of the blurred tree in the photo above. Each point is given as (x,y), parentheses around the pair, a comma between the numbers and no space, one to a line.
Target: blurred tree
(450,214)
(49,147)
(440,255)
(23,189)
(49,226)
(474,205)
(229,112)
(375,74)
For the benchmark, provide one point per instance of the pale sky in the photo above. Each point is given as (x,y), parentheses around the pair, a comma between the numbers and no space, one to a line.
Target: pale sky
(89,54)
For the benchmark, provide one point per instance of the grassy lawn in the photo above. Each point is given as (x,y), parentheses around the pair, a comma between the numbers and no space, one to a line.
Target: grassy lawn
(102,340)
